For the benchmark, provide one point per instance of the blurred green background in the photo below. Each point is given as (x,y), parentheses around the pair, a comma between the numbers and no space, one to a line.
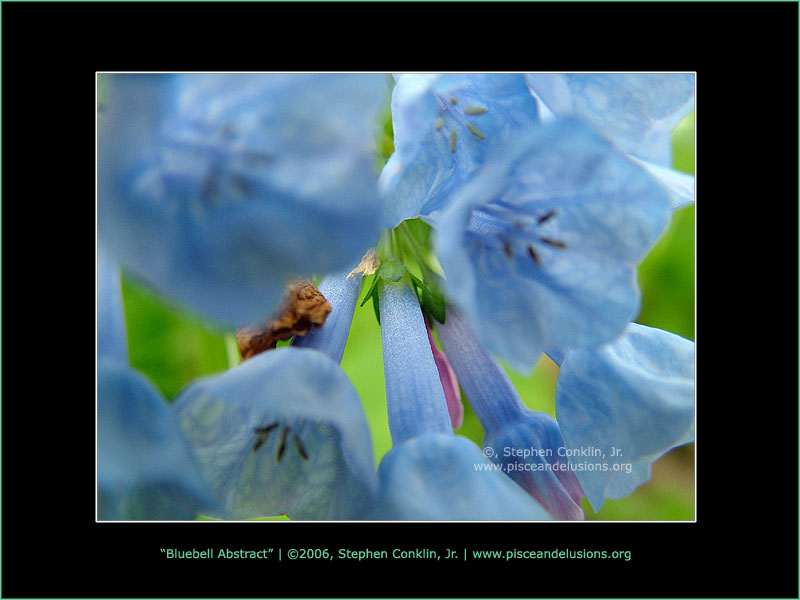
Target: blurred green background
(172,348)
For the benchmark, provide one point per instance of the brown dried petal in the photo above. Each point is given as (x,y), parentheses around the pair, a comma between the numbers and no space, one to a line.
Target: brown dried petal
(303,307)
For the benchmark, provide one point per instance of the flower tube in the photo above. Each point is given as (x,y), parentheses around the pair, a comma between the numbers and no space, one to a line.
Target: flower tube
(527,444)
(341,291)
(430,473)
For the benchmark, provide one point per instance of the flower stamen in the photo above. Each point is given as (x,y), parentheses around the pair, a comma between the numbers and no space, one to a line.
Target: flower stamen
(475,110)
(546,216)
(475,131)
(299,445)
(282,446)
(552,242)
(262,433)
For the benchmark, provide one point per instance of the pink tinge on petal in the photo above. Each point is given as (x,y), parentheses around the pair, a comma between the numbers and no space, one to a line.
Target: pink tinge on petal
(571,485)
(548,489)
(447,376)
(557,500)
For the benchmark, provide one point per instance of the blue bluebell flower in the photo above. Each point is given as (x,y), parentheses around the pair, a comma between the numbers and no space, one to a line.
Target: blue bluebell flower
(527,445)
(145,468)
(443,127)
(217,189)
(430,473)
(541,247)
(282,433)
(624,405)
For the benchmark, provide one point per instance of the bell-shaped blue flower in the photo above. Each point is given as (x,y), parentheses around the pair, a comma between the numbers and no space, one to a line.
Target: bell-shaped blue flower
(282,433)
(638,111)
(217,189)
(526,444)
(430,473)
(540,248)
(145,468)
(443,127)
(627,403)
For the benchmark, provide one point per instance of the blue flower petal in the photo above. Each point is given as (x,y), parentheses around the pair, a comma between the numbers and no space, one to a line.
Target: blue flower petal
(444,477)
(540,248)
(632,400)
(145,469)
(530,453)
(443,127)
(111,333)
(217,189)
(282,433)
(679,185)
(637,111)
(341,293)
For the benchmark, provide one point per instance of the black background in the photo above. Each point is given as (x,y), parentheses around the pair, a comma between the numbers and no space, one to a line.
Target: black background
(745,541)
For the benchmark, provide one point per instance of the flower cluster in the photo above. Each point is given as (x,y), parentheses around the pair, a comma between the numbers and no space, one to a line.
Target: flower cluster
(509,219)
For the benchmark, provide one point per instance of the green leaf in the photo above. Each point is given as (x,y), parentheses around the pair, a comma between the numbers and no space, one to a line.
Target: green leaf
(420,232)
(376,307)
(431,298)
(433,302)
(371,290)
(373,293)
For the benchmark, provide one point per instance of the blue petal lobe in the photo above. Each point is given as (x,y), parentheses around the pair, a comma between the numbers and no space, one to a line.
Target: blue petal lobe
(637,111)
(679,185)
(217,189)
(440,477)
(145,468)
(631,400)
(282,433)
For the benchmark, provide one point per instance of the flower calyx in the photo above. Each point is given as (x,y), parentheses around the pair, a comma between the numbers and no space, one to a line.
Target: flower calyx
(405,250)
